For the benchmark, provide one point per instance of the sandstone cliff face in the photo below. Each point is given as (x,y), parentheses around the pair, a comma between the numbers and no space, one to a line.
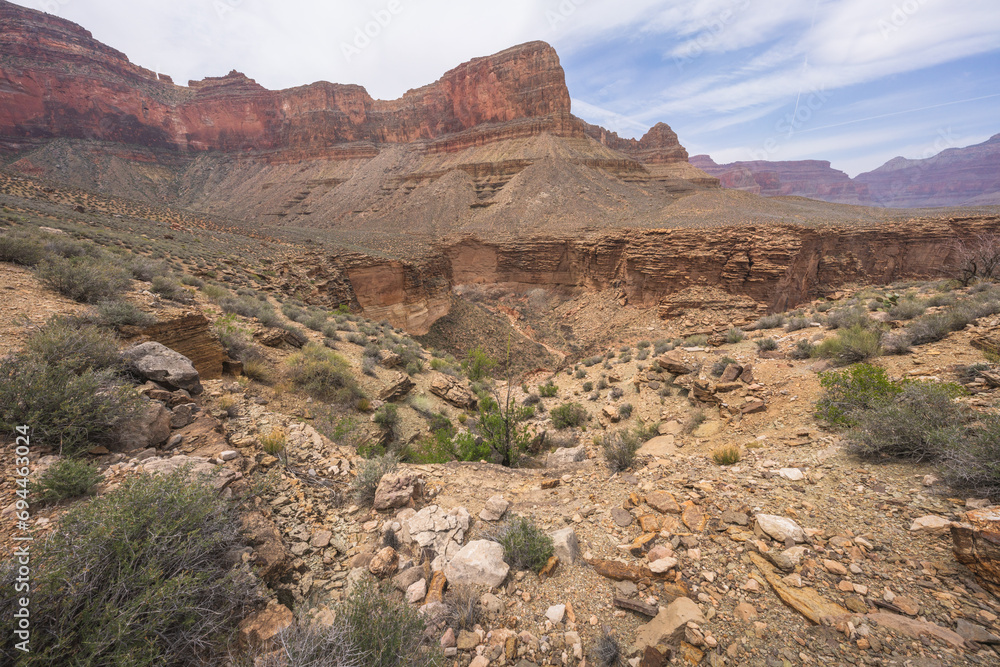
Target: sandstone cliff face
(57,81)
(803,178)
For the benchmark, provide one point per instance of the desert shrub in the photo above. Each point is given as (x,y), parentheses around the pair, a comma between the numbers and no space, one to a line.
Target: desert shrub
(84,279)
(548,390)
(192,281)
(75,410)
(803,350)
(259,370)
(616,393)
(524,544)
(824,306)
(929,328)
(726,455)
(73,345)
(236,340)
(415,367)
(323,374)
(387,417)
(797,323)
(625,410)
(848,392)
(66,478)
(580,374)
(972,461)
(146,269)
(967,374)
(694,421)
(316,320)
(917,423)
(642,354)
(274,441)
(304,645)
(850,346)
(845,318)
(294,312)
(772,321)
(141,576)
(384,631)
(767,344)
(439,448)
(607,652)
(463,607)
(568,414)
(215,293)
(897,342)
(370,473)
(478,364)
(602,383)
(619,448)
(21,248)
(588,387)
(720,366)
(501,430)
(357,338)
(372,350)
(907,309)
(945,298)
(661,346)
(697,340)
(120,314)
(734,335)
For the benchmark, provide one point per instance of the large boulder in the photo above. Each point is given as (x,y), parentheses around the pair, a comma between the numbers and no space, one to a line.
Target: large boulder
(478,563)
(149,427)
(565,456)
(673,363)
(566,546)
(977,546)
(397,489)
(157,362)
(668,625)
(262,627)
(453,391)
(435,528)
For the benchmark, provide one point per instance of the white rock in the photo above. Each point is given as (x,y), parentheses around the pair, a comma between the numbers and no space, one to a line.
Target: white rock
(780,528)
(793,474)
(565,545)
(931,523)
(662,565)
(565,456)
(229,455)
(417,591)
(555,613)
(494,509)
(478,563)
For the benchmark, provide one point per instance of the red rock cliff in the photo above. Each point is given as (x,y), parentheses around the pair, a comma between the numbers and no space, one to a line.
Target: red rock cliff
(57,81)
(815,179)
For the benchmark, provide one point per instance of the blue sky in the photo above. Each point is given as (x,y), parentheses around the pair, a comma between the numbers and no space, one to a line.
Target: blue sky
(856,82)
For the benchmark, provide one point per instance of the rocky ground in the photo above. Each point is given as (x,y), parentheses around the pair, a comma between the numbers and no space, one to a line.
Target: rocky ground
(799,553)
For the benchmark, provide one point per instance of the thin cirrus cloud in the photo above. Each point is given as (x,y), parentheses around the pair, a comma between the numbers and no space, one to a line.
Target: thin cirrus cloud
(727,75)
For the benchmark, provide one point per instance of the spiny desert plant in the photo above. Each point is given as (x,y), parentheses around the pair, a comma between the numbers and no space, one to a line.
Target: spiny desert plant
(524,544)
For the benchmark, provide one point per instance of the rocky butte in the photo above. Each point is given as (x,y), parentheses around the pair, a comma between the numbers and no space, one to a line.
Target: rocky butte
(486,172)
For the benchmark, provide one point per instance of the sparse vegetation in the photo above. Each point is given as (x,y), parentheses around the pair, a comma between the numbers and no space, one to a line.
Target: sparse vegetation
(114,585)
(568,415)
(851,345)
(370,473)
(66,478)
(524,544)
(323,374)
(734,335)
(726,455)
(84,279)
(119,314)
(769,322)
(274,441)
(548,390)
(767,344)
(619,448)
(719,366)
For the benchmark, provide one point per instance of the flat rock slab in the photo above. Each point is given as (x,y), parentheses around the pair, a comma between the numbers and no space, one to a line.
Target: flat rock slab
(618,571)
(157,362)
(806,601)
(667,627)
(780,528)
(663,502)
(912,627)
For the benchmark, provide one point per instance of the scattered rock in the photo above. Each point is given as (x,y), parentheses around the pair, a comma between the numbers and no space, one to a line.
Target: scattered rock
(780,528)
(398,490)
(668,625)
(452,390)
(976,546)
(556,612)
(398,387)
(565,456)
(149,428)
(932,524)
(262,627)
(384,563)
(914,628)
(804,600)
(565,545)
(663,502)
(157,362)
(478,563)
(672,362)
(494,509)
(621,517)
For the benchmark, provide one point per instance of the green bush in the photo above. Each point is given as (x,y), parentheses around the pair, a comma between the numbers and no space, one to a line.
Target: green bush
(734,335)
(479,364)
(803,350)
(767,344)
(524,544)
(858,388)
(75,346)
(726,455)
(972,462)
(84,279)
(370,473)
(568,414)
(142,576)
(72,411)
(387,417)
(797,323)
(697,340)
(619,448)
(907,309)
(21,248)
(547,390)
(845,318)
(171,288)
(625,410)
(851,345)
(323,374)
(502,431)
(66,478)
(918,423)
(119,314)
(384,631)
(146,269)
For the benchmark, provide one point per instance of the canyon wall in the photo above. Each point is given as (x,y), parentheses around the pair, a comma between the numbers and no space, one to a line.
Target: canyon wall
(815,179)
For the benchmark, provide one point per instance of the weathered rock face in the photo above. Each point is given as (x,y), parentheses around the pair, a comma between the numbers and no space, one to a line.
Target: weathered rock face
(815,179)
(57,81)
(192,337)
